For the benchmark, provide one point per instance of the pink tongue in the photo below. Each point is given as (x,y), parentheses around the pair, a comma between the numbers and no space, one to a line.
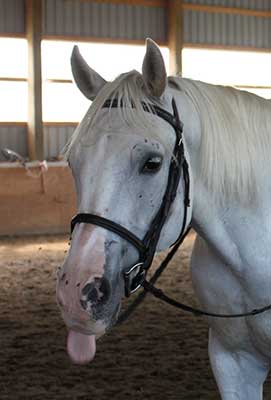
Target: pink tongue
(81,348)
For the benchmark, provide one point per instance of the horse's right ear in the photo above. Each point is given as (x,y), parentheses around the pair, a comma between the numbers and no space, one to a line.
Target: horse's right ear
(87,80)
(154,70)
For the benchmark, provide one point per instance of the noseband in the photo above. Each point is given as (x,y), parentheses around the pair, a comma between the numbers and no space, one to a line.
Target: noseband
(134,275)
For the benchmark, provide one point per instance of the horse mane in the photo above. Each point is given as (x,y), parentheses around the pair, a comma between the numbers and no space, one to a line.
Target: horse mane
(130,91)
(235,139)
(235,131)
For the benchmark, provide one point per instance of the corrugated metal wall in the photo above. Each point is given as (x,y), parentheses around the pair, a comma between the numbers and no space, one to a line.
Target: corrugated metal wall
(135,22)
(128,22)
(12,17)
(251,4)
(103,20)
(14,138)
(226,29)
(88,19)
(55,138)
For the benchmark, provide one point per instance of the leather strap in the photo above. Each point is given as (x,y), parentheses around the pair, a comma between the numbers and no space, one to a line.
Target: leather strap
(148,287)
(110,226)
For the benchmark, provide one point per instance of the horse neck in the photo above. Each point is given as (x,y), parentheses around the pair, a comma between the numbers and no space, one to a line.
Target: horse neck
(208,217)
(230,227)
(220,221)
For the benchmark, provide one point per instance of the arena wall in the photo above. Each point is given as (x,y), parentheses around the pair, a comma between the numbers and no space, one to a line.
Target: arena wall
(36,205)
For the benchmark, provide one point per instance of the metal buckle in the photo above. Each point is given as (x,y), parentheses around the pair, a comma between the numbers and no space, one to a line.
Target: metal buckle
(133,278)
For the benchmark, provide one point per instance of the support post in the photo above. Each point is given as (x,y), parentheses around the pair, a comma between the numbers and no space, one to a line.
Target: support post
(35,126)
(175,35)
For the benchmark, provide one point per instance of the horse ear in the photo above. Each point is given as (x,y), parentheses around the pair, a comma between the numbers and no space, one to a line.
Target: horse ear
(154,70)
(87,80)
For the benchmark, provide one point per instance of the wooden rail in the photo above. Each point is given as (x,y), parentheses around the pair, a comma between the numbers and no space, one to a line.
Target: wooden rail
(78,38)
(210,46)
(227,10)
(11,79)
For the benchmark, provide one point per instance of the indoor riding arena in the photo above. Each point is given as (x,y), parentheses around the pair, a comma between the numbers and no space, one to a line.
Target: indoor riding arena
(160,352)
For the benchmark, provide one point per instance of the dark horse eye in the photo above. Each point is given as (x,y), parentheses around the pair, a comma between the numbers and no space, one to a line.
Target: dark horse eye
(152,165)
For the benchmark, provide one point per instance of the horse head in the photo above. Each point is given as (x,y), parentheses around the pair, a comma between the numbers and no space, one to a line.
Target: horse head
(120,159)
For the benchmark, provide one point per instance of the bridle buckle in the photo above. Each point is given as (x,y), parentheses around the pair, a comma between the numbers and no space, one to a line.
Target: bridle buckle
(133,277)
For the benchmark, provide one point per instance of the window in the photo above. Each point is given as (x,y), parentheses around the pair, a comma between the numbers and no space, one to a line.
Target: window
(13,80)
(62,101)
(245,70)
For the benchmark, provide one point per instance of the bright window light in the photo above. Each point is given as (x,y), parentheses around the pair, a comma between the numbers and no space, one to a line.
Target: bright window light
(109,60)
(13,94)
(249,69)
(13,101)
(63,101)
(13,63)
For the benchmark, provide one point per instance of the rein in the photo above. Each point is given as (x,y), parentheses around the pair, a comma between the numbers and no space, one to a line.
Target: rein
(134,276)
(148,287)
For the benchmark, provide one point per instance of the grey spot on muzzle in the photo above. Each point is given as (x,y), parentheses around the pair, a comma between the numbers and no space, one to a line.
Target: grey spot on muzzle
(63,277)
(109,243)
(95,294)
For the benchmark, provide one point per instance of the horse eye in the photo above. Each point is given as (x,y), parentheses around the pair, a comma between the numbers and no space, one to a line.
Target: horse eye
(152,165)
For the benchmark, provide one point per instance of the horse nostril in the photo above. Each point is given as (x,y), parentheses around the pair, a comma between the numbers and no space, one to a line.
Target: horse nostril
(89,292)
(95,293)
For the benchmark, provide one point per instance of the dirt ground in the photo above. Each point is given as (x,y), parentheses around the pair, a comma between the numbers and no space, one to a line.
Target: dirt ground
(160,353)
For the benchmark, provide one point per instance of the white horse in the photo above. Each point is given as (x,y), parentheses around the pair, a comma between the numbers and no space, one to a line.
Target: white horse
(120,159)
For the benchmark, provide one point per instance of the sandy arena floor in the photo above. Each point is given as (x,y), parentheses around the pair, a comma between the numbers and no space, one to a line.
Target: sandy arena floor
(160,354)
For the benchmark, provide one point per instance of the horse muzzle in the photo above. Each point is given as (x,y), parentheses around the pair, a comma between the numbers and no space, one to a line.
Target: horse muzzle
(84,301)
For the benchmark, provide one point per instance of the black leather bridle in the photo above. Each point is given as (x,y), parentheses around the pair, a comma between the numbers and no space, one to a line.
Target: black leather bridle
(135,274)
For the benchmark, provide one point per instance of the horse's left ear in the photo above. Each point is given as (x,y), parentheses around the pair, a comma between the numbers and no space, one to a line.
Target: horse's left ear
(154,70)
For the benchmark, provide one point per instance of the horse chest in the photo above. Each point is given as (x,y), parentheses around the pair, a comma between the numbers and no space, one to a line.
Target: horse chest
(221,288)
